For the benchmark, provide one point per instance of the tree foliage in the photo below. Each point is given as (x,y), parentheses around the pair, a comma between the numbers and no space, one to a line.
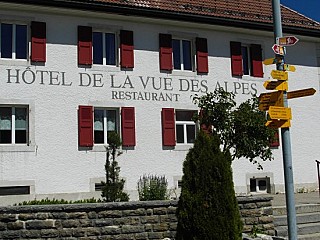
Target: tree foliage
(112,188)
(241,129)
(207,207)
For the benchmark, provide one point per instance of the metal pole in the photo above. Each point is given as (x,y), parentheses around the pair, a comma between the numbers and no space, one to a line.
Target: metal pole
(285,137)
(318,163)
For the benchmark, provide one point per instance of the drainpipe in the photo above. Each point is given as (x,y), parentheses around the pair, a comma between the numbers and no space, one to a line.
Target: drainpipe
(318,168)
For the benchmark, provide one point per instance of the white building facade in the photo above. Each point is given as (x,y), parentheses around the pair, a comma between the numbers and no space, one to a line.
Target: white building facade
(69,76)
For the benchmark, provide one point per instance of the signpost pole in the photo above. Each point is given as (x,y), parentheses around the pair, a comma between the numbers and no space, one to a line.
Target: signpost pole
(285,136)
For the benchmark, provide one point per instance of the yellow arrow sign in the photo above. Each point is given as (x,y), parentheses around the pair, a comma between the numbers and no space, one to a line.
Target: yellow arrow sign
(276,85)
(280,113)
(301,93)
(280,75)
(278,124)
(269,61)
(288,67)
(270,99)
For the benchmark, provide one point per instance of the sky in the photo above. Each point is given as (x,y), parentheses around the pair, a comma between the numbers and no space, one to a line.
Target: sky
(309,8)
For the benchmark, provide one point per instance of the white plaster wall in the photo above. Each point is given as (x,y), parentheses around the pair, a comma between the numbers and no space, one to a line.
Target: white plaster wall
(57,166)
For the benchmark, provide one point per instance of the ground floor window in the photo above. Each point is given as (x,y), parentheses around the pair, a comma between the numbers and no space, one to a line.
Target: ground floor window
(13,124)
(260,185)
(185,126)
(105,121)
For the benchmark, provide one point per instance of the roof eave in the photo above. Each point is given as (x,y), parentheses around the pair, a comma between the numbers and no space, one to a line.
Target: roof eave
(156,13)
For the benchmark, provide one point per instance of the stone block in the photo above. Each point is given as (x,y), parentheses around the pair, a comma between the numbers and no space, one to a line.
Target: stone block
(110,230)
(168,218)
(141,236)
(42,216)
(85,223)
(39,224)
(8,217)
(155,235)
(59,215)
(91,231)
(135,212)
(15,225)
(251,220)
(265,219)
(149,219)
(132,229)
(162,227)
(77,215)
(26,216)
(65,232)
(160,211)
(10,234)
(249,206)
(110,214)
(92,215)
(2,226)
(103,222)
(70,223)
(78,232)
(49,233)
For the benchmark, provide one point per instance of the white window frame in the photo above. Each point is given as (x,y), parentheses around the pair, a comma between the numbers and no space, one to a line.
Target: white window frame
(30,146)
(192,54)
(184,124)
(13,50)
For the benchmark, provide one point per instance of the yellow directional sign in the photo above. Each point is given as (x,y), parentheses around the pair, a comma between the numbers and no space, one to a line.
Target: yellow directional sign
(278,124)
(269,61)
(280,113)
(288,67)
(301,93)
(276,85)
(280,75)
(270,99)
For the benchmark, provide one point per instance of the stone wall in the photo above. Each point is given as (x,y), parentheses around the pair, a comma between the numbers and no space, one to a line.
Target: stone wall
(131,220)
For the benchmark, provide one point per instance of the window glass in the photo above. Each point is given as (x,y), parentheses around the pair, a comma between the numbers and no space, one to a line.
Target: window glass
(97,48)
(180,134)
(245,60)
(110,49)
(191,133)
(184,115)
(6,40)
(105,121)
(176,54)
(98,126)
(21,42)
(187,65)
(20,125)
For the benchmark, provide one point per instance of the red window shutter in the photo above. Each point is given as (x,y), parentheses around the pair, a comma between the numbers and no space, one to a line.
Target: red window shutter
(275,142)
(202,55)
(256,60)
(128,126)
(236,59)
(168,127)
(165,46)
(84,45)
(38,41)
(126,49)
(85,126)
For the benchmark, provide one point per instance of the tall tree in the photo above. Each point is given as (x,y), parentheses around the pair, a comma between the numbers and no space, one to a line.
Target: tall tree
(112,188)
(241,129)
(207,207)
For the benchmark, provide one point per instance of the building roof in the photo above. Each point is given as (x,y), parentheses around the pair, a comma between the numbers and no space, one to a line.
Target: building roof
(254,14)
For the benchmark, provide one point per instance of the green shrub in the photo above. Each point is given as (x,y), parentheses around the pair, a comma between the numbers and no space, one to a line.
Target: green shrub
(152,187)
(48,201)
(208,207)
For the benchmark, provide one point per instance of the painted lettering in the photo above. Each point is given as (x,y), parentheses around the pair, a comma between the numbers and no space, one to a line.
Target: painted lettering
(97,80)
(85,80)
(13,76)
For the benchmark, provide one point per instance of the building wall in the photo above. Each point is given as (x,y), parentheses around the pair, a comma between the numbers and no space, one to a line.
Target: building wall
(53,163)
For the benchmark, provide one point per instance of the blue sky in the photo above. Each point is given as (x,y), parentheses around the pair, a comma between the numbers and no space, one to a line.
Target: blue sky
(309,8)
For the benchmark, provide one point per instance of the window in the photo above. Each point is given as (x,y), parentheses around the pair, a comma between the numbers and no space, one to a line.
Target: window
(14,43)
(185,127)
(179,54)
(246,59)
(260,185)
(14,125)
(182,59)
(178,127)
(96,123)
(104,48)
(101,48)
(105,121)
